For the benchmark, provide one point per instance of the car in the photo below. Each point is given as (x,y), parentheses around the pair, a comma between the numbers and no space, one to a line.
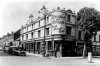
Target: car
(12,50)
(19,51)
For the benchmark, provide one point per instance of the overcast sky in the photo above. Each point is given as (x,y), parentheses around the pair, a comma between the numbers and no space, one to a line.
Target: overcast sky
(15,13)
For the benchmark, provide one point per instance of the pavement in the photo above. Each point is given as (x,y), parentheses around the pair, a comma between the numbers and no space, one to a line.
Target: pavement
(37,60)
(94,60)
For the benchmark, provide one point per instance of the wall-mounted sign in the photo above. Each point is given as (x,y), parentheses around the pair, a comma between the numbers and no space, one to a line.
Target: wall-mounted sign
(58,23)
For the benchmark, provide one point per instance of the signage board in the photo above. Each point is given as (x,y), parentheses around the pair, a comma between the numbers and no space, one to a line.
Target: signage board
(58,24)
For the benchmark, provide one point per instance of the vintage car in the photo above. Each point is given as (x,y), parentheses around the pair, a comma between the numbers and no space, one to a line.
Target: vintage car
(19,51)
(12,50)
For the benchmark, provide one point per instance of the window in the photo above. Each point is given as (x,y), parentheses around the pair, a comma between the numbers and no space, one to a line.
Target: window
(68,30)
(39,23)
(39,33)
(99,38)
(27,28)
(47,21)
(79,36)
(94,38)
(26,36)
(32,35)
(22,37)
(68,18)
(32,26)
(47,31)
(97,48)
(49,45)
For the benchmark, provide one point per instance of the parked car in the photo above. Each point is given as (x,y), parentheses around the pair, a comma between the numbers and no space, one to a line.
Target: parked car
(12,50)
(20,52)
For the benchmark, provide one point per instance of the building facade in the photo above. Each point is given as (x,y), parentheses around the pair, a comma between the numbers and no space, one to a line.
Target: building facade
(96,44)
(60,34)
(7,40)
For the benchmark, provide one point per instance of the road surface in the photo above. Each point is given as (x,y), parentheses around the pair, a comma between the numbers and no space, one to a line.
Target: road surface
(31,60)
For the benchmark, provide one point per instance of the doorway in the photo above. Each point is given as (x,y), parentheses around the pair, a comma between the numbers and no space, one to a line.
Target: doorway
(38,47)
(68,48)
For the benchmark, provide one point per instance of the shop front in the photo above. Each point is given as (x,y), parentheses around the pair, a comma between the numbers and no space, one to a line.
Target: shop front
(80,47)
(96,49)
(28,46)
(62,48)
(69,48)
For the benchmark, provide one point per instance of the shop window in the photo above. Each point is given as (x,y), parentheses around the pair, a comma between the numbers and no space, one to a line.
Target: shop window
(94,38)
(97,48)
(68,18)
(99,38)
(79,36)
(68,30)
(49,45)
(39,33)
(31,45)
(47,31)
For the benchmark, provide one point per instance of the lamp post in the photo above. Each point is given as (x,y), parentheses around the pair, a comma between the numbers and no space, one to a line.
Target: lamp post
(44,11)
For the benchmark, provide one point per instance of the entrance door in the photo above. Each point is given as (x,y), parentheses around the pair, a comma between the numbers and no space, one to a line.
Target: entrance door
(34,47)
(68,48)
(58,49)
(80,47)
(38,47)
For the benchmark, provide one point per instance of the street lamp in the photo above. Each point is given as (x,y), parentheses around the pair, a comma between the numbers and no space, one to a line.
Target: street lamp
(44,11)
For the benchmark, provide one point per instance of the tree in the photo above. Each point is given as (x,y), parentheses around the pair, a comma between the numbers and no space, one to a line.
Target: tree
(88,22)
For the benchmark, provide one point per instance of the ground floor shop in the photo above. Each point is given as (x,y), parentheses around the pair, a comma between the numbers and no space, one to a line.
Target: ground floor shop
(56,48)
(59,48)
(96,49)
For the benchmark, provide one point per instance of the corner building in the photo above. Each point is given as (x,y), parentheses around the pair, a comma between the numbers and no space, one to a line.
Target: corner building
(60,34)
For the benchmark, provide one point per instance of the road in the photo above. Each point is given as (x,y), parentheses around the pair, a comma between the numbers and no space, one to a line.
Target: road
(31,60)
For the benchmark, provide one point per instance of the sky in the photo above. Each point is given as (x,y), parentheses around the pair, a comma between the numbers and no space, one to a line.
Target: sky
(15,13)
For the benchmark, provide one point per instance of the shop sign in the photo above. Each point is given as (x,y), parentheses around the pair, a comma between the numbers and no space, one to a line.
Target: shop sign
(58,25)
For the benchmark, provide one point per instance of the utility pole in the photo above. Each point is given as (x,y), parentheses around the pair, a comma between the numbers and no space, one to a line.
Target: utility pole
(44,11)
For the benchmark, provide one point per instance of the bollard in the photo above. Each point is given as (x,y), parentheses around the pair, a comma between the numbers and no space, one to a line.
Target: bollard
(89,57)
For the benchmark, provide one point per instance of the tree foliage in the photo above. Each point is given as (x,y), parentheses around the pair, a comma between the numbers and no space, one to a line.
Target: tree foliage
(88,21)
